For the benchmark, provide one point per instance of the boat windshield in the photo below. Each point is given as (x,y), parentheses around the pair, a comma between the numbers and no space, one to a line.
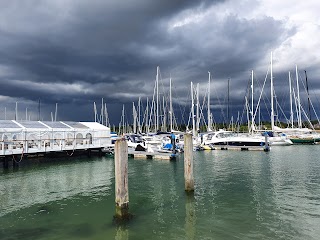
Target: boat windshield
(225,135)
(134,138)
(137,138)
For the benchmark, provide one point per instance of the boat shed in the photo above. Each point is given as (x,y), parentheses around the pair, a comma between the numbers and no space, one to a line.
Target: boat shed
(30,137)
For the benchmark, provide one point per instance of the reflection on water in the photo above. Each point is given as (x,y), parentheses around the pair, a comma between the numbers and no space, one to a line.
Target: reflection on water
(122,233)
(295,182)
(238,195)
(27,187)
(190,225)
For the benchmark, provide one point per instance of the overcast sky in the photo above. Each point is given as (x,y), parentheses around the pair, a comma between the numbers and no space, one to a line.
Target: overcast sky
(75,52)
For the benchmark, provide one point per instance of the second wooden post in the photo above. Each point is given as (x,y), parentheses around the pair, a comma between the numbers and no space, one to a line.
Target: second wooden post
(188,163)
(121,178)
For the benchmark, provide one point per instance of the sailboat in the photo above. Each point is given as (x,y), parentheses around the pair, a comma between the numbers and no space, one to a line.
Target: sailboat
(275,138)
(280,139)
(223,139)
(299,135)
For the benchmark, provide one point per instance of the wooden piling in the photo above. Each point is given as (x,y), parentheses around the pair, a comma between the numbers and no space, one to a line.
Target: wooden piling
(121,178)
(188,163)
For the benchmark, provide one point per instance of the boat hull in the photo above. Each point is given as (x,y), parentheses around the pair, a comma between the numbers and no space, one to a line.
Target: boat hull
(303,140)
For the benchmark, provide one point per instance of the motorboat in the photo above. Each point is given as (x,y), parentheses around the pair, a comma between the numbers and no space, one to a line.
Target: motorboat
(229,139)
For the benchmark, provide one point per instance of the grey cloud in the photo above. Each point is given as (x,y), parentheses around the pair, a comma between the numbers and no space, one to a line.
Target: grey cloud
(112,49)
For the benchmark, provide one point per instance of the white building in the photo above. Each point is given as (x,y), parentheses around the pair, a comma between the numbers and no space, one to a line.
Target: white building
(27,137)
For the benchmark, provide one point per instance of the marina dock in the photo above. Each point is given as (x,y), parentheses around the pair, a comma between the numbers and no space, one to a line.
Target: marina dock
(40,138)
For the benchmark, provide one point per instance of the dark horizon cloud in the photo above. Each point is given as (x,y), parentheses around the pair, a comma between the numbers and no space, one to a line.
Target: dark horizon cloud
(76,52)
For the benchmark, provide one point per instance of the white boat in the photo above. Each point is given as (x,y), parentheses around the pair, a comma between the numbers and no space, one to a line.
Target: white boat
(226,139)
(280,141)
(135,142)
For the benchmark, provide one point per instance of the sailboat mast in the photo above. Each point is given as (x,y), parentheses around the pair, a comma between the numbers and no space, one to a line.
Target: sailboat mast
(305,72)
(134,113)
(271,92)
(157,84)
(192,111)
(295,103)
(56,113)
(247,107)
(298,96)
(139,108)
(291,110)
(209,117)
(232,128)
(259,118)
(228,103)
(123,123)
(252,120)
(147,116)
(238,120)
(198,109)
(164,121)
(95,111)
(171,110)
(102,114)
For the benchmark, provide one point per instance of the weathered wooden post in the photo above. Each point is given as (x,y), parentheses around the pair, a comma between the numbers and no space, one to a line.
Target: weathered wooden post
(121,179)
(188,163)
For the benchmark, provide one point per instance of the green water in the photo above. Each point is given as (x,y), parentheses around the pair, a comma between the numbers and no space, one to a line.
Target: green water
(238,195)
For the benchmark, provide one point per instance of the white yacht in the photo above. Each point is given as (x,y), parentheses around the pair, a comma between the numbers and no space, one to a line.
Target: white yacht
(229,140)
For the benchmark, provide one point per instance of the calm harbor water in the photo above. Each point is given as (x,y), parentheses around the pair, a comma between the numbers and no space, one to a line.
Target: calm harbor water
(238,195)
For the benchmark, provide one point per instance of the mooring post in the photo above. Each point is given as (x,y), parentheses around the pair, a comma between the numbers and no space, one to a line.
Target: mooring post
(121,178)
(188,163)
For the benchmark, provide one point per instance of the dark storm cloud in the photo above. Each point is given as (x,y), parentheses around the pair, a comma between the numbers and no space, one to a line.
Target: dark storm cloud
(79,51)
